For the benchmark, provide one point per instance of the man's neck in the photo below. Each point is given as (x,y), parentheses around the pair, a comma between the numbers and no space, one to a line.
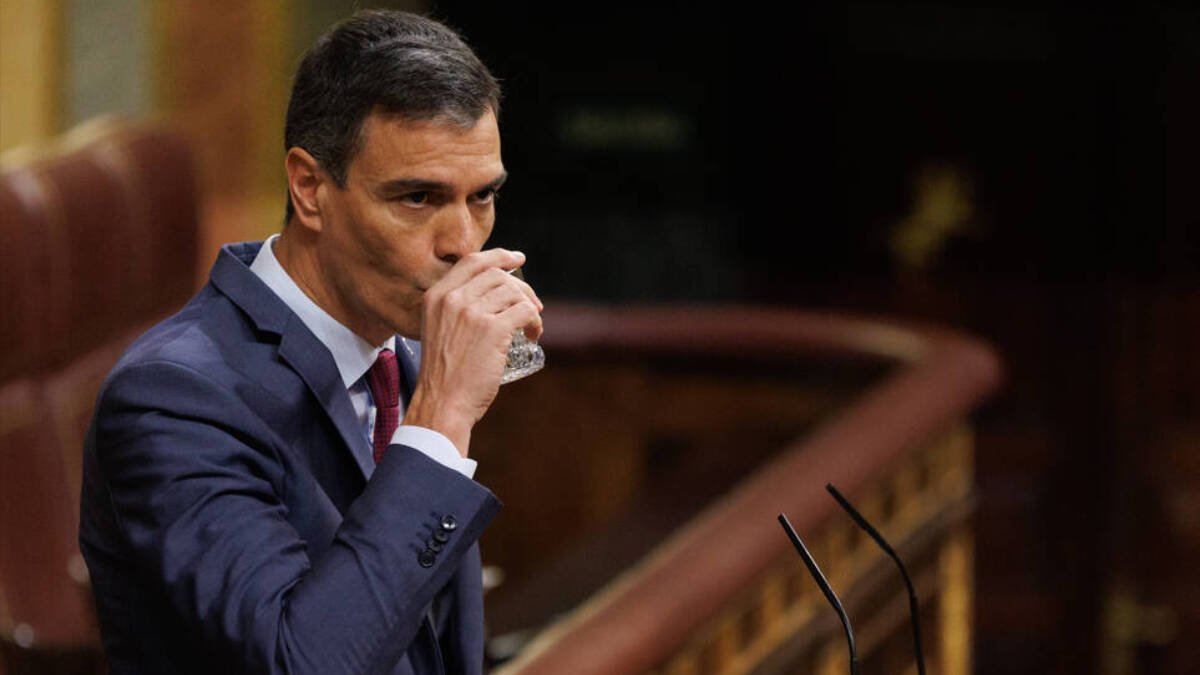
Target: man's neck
(295,249)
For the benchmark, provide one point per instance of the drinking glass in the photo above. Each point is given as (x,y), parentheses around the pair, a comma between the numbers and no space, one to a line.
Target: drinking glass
(525,357)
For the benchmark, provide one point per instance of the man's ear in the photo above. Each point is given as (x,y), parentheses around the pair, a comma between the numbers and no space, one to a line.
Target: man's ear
(305,180)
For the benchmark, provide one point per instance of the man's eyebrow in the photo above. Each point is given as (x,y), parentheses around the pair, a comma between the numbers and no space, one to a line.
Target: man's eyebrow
(425,185)
(495,182)
(412,185)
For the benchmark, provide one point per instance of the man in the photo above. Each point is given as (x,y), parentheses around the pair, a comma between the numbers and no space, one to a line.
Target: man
(251,502)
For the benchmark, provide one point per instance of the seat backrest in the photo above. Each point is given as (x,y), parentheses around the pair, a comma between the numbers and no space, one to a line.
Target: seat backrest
(40,601)
(98,240)
(97,231)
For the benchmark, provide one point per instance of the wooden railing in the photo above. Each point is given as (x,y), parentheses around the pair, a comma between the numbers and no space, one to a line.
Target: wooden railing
(725,592)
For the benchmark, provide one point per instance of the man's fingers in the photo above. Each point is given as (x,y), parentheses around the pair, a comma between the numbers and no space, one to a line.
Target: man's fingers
(529,292)
(489,280)
(473,264)
(500,298)
(526,315)
(480,285)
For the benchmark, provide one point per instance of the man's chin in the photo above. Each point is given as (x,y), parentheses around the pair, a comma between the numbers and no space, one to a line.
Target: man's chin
(408,330)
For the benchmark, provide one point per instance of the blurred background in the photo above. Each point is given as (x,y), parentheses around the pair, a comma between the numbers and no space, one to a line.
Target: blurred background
(1023,171)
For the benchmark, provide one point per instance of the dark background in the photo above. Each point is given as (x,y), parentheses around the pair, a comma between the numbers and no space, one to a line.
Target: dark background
(755,154)
(799,131)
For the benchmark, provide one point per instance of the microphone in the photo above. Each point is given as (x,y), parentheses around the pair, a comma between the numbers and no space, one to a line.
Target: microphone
(832,597)
(823,583)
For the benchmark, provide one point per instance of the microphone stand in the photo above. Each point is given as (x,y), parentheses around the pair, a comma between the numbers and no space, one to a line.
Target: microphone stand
(832,597)
(823,583)
(913,608)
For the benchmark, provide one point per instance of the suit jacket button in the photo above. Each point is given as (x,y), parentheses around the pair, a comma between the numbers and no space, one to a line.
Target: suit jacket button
(435,546)
(427,558)
(449,523)
(440,536)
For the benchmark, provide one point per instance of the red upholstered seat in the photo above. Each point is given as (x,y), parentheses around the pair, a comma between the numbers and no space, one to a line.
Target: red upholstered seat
(24,258)
(98,240)
(42,604)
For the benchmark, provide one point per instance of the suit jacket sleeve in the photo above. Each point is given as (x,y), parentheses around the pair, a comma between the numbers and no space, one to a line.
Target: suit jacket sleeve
(196,481)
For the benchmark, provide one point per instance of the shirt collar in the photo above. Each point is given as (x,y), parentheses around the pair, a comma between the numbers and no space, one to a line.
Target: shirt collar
(353,355)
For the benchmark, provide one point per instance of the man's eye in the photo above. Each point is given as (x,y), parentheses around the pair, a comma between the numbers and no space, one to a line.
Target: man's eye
(415,197)
(488,195)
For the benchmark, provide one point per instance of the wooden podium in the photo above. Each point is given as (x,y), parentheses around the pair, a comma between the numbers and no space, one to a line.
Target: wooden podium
(644,468)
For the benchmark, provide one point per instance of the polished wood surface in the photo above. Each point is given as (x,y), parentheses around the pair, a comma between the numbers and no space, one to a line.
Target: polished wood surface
(722,592)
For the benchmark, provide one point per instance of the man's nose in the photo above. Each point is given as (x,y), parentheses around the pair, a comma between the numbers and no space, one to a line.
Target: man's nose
(457,234)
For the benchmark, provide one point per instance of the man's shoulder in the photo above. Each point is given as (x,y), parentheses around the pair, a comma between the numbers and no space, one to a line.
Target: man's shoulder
(206,362)
(215,325)
(188,336)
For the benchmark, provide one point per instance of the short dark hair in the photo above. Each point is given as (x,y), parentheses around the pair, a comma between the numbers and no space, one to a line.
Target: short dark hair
(388,61)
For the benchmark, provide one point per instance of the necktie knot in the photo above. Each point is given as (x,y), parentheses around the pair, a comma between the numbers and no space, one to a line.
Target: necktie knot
(383,379)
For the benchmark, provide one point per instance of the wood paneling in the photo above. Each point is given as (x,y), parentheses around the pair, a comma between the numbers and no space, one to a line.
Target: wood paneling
(30,71)
(730,416)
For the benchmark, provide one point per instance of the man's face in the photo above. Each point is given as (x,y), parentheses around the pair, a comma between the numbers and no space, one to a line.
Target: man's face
(419,195)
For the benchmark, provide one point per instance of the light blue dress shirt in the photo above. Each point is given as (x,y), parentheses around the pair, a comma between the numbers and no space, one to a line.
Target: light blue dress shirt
(354,356)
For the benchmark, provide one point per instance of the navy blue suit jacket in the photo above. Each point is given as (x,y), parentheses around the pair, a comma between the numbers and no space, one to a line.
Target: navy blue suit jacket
(229,528)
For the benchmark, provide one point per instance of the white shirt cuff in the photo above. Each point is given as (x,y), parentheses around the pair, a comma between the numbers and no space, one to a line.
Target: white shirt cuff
(436,446)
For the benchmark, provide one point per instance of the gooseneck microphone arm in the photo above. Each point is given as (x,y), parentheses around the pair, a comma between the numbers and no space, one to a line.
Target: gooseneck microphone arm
(815,571)
(913,608)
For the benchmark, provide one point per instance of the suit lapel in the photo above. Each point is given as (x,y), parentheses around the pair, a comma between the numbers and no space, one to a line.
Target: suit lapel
(298,347)
(410,362)
(312,361)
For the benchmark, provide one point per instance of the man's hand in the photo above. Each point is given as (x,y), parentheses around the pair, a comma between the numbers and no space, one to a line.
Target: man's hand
(469,319)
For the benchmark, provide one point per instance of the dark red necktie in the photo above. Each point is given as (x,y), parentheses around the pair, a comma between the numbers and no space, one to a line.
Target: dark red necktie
(383,379)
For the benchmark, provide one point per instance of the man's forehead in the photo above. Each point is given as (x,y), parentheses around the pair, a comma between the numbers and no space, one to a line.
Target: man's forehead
(396,129)
(391,143)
